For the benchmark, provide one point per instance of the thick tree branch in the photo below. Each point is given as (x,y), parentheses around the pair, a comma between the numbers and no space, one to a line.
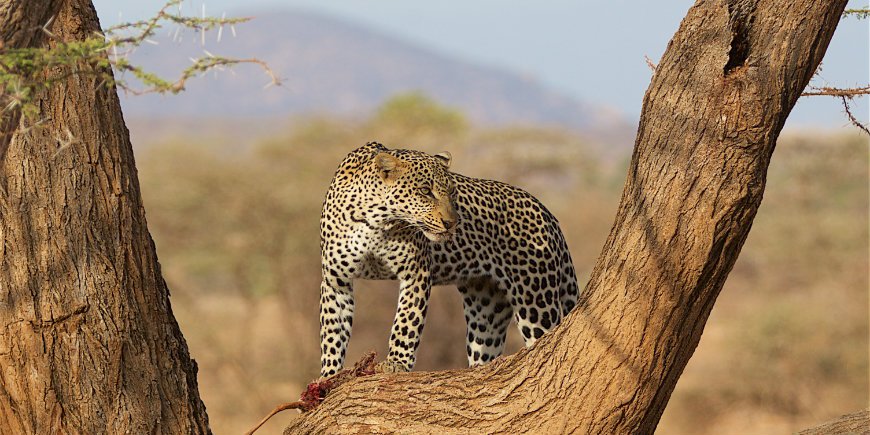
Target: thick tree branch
(711,116)
(857,423)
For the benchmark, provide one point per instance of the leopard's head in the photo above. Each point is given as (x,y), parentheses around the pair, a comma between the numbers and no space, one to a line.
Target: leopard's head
(417,190)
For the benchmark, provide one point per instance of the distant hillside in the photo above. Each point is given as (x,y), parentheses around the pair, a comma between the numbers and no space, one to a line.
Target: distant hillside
(334,67)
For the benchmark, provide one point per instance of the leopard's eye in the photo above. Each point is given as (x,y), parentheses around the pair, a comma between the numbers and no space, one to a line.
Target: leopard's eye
(425,191)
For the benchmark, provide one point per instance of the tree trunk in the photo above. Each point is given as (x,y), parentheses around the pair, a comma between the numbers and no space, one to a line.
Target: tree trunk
(89,344)
(710,120)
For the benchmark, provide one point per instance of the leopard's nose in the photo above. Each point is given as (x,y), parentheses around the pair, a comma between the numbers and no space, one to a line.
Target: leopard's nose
(448,223)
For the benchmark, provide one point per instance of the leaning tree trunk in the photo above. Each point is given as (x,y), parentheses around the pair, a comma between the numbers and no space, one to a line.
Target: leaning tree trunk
(88,343)
(710,120)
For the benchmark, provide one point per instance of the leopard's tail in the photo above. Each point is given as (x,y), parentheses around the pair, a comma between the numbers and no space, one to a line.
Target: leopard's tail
(569,290)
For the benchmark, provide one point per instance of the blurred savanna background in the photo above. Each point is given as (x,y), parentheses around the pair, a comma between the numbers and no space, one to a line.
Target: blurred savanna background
(233,177)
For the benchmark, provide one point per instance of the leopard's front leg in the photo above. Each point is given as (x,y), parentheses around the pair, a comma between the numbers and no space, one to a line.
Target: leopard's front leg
(336,321)
(415,286)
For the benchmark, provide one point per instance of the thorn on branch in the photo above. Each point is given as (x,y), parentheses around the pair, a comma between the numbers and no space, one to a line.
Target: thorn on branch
(46,26)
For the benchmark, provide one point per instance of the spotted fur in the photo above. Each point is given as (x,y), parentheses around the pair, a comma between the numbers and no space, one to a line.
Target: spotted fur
(401,215)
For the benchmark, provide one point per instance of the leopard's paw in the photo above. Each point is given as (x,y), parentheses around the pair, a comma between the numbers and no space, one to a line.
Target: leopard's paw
(388,366)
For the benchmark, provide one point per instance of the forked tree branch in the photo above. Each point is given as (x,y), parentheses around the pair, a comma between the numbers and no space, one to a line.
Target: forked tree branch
(718,99)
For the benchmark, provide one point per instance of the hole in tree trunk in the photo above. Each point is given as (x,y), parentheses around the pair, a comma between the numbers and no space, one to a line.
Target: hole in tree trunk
(740,20)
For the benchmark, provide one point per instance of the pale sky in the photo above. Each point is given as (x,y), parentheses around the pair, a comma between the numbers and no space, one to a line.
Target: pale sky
(593,51)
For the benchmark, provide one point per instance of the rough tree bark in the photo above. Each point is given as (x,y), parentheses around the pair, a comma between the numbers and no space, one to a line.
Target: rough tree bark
(711,117)
(857,423)
(88,343)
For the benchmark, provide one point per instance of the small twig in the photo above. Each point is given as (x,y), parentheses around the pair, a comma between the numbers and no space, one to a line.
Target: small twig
(652,66)
(852,118)
(282,407)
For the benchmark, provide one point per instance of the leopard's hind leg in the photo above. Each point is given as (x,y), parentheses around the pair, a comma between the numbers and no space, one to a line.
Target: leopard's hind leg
(487,316)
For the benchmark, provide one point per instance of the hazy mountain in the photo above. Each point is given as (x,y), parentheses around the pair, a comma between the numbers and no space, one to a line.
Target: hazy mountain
(334,67)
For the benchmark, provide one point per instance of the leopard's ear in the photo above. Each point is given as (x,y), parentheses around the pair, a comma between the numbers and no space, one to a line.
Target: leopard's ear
(445,158)
(375,145)
(388,166)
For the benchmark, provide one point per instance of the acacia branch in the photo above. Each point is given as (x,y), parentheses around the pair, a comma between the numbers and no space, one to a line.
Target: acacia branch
(147,28)
(859,13)
(845,95)
(23,69)
(836,92)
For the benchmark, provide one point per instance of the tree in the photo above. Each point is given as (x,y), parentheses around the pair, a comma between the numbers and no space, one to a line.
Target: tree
(711,117)
(89,343)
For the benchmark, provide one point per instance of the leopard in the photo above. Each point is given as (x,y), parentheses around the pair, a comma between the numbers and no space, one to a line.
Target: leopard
(402,215)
